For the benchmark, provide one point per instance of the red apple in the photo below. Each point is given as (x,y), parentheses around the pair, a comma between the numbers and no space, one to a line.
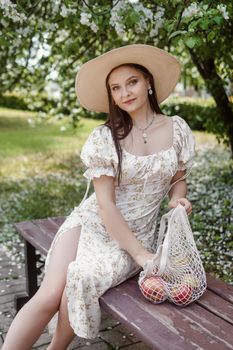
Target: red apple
(181,294)
(153,289)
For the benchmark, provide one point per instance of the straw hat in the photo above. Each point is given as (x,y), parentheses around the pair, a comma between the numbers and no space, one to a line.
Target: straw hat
(90,80)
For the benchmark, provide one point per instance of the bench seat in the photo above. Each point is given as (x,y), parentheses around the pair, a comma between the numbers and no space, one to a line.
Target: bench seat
(205,324)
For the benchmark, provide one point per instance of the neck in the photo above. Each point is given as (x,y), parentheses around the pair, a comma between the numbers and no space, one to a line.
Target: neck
(142,116)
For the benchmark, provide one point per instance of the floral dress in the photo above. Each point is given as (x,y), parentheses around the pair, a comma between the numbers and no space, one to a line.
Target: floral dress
(100,262)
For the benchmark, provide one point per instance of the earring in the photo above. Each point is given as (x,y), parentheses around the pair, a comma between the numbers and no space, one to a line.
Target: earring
(150,91)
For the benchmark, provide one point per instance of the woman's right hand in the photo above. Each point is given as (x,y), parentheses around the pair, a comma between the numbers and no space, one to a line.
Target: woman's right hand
(143,256)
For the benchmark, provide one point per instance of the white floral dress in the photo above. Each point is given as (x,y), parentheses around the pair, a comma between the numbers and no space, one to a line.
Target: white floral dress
(100,263)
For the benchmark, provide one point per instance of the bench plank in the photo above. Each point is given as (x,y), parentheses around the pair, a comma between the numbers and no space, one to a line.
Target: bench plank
(224,290)
(217,305)
(201,327)
(58,220)
(48,227)
(33,234)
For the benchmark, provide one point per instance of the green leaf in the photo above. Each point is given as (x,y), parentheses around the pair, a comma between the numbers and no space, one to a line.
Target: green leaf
(217,19)
(3,41)
(190,42)
(193,41)
(133,17)
(204,24)
(211,36)
(178,32)
(192,25)
(169,25)
(66,3)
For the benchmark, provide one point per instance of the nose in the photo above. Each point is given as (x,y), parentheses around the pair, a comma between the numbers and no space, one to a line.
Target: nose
(125,91)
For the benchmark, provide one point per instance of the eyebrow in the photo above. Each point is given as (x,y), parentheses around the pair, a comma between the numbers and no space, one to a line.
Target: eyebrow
(133,76)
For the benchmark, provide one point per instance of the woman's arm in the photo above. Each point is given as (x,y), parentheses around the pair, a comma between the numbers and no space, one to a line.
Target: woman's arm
(115,223)
(178,192)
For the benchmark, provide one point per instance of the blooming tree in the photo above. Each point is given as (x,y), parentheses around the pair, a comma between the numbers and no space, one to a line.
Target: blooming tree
(48,40)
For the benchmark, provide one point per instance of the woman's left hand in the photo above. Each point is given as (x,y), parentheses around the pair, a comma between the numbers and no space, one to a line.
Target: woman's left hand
(183,201)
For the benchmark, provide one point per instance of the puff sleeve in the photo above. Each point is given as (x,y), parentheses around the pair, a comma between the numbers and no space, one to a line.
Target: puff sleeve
(97,153)
(185,144)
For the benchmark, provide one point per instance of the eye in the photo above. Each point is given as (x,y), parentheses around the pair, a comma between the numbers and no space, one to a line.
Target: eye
(114,88)
(133,82)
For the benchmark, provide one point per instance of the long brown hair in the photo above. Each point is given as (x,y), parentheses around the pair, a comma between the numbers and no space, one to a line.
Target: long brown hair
(119,121)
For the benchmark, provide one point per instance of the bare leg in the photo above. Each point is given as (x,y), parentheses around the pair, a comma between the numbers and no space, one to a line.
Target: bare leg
(64,333)
(31,320)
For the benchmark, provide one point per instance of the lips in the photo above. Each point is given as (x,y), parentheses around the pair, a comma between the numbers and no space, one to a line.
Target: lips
(129,101)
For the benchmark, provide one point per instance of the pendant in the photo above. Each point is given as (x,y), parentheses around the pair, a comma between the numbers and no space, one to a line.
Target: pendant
(145,141)
(144,134)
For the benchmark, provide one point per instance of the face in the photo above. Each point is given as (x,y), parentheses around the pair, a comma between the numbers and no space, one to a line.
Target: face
(129,88)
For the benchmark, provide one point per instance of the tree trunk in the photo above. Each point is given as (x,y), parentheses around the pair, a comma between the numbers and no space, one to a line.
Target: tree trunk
(214,83)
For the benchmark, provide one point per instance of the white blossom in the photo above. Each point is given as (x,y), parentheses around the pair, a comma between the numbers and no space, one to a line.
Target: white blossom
(10,11)
(158,21)
(116,18)
(159,13)
(120,29)
(222,8)
(3,22)
(85,18)
(65,11)
(16,42)
(94,27)
(62,35)
(6,4)
(55,6)
(25,31)
(147,12)
(191,10)
(154,31)
(145,17)
(141,25)
(52,27)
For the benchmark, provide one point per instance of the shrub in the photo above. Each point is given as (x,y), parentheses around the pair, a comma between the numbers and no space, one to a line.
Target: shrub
(200,114)
(13,101)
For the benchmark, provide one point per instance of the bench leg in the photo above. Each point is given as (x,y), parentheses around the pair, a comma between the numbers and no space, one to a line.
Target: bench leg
(31,276)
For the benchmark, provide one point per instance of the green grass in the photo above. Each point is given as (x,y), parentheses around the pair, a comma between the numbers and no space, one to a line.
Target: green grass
(37,146)
(41,176)
(19,136)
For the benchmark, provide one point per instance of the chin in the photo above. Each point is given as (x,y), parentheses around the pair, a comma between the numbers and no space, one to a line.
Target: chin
(138,105)
(130,109)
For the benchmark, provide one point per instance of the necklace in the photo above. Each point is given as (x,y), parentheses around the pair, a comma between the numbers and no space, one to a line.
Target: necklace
(144,134)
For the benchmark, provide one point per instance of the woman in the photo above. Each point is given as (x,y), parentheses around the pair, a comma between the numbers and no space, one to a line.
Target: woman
(134,159)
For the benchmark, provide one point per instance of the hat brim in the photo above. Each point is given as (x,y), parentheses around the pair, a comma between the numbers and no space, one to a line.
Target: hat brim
(90,80)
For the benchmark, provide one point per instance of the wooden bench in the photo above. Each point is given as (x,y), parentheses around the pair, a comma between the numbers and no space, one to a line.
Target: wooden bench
(205,324)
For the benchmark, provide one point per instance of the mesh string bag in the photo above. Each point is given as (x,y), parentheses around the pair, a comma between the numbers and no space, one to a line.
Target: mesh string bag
(176,272)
